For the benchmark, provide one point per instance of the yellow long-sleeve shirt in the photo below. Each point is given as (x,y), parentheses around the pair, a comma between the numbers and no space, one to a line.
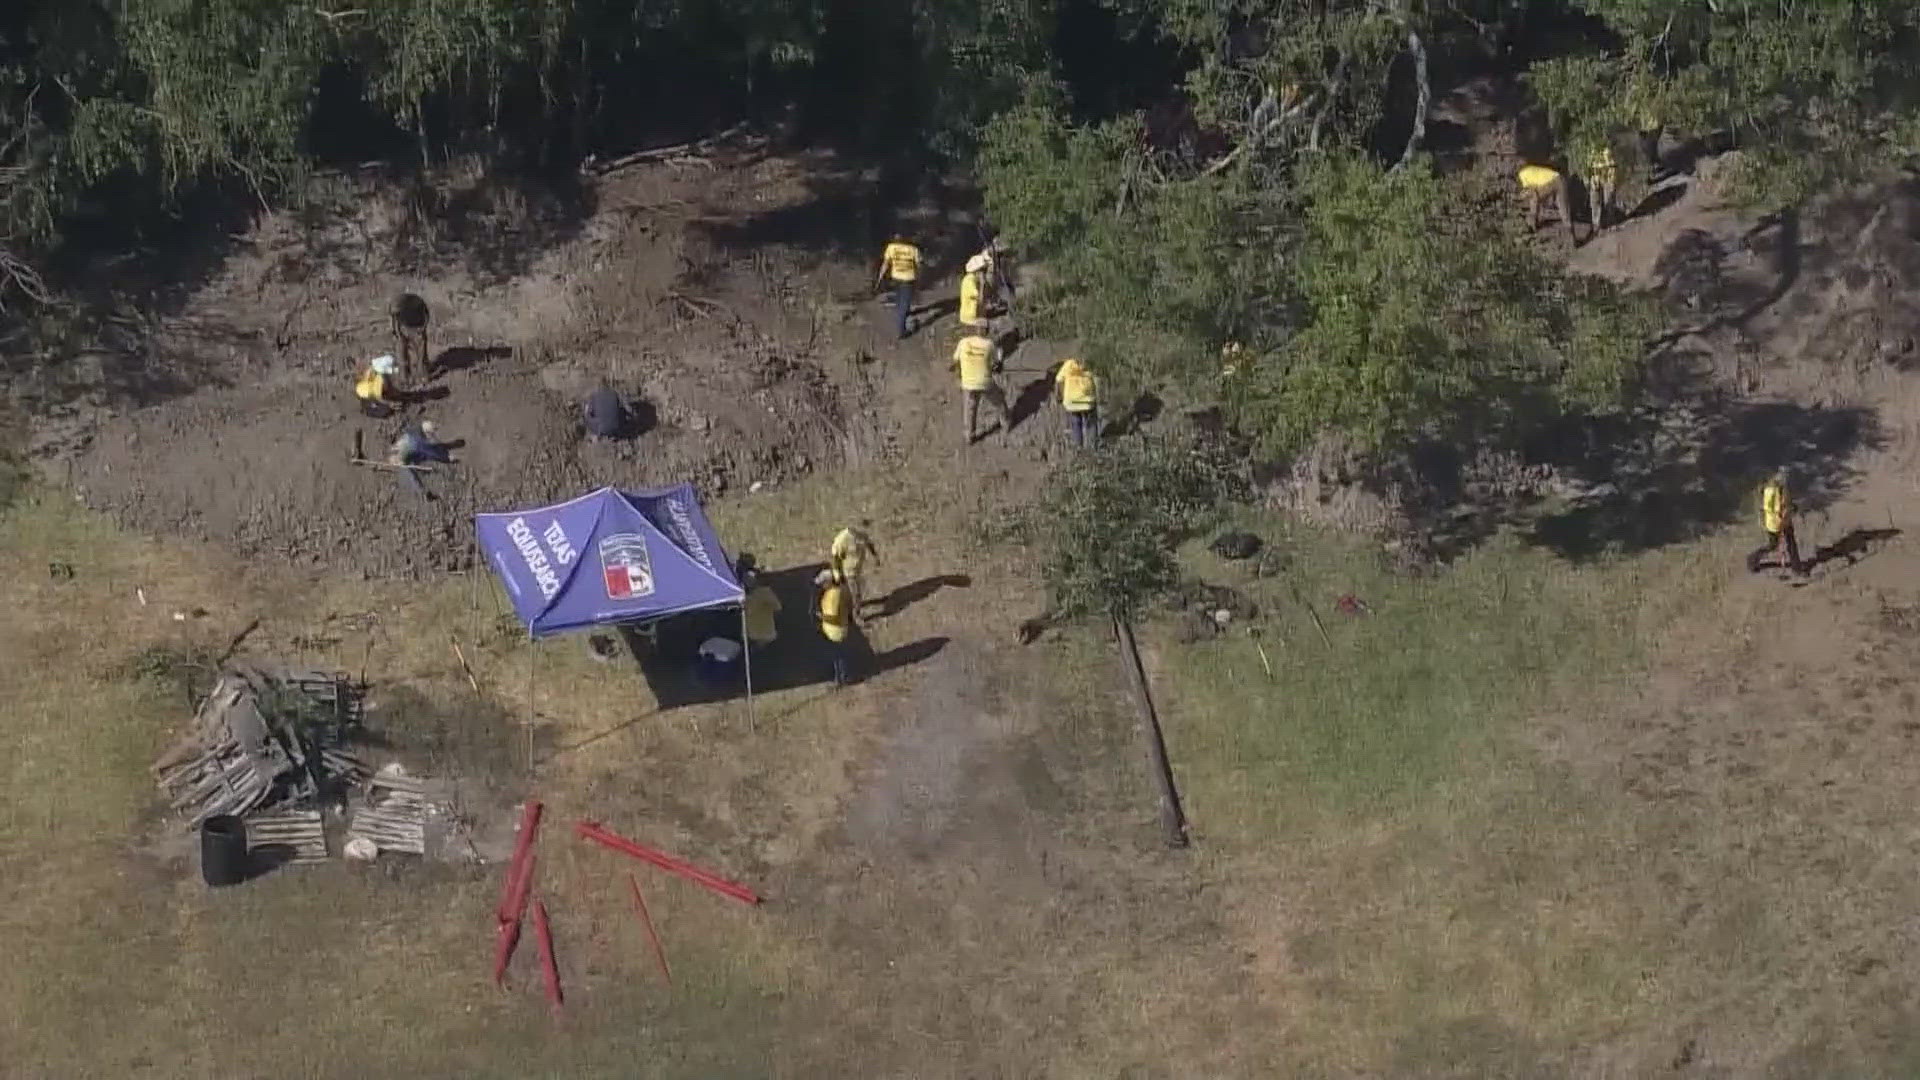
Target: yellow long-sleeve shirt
(1776,509)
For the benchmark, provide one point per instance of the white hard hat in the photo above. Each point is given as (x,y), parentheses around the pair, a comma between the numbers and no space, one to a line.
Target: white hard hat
(978,262)
(824,577)
(385,365)
(427,427)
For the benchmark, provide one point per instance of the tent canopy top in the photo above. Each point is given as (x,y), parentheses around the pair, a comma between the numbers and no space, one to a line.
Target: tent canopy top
(609,556)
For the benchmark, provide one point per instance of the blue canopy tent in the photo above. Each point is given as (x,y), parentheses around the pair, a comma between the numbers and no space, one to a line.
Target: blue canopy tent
(611,557)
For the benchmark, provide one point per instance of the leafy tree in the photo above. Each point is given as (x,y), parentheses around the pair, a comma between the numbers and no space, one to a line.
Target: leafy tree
(1816,92)
(1426,313)
(1107,531)
(1146,271)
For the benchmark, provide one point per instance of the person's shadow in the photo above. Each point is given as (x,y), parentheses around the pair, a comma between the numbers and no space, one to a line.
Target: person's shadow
(462,357)
(1854,546)
(928,312)
(1027,404)
(907,595)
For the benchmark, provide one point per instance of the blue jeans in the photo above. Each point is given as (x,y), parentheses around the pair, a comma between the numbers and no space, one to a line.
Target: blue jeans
(902,304)
(1083,428)
(837,651)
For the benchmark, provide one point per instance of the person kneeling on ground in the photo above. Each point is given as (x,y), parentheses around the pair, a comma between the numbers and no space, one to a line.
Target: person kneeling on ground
(835,621)
(416,444)
(606,417)
(374,388)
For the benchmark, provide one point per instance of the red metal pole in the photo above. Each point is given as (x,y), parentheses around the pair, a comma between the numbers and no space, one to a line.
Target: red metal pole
(646,920)
(593,831)
(515,906)
(544,933)
(522,848)
(503,951)
(522,887)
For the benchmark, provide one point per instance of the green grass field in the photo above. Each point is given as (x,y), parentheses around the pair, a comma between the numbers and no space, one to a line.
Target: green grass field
(1398,868)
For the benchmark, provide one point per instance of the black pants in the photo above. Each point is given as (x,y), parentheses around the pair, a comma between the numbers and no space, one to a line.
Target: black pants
(1775,540)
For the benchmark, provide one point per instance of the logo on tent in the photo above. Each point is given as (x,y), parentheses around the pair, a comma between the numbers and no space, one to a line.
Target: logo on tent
(625,566)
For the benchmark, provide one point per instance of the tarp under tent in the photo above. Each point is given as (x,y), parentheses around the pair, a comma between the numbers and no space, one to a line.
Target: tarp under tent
(609,557)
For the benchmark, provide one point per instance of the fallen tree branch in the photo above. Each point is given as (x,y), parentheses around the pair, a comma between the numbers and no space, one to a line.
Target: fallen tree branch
(1419,132)
(663,153)
(17,273)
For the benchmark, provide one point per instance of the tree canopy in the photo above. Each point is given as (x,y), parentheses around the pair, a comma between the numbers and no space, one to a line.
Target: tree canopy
(1230,198)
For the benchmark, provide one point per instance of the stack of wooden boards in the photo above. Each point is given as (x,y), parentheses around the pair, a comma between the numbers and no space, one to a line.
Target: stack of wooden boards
(264,736)
(269,745)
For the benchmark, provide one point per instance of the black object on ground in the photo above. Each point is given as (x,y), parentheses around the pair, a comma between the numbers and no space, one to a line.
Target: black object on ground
(1236,545)
(223,850)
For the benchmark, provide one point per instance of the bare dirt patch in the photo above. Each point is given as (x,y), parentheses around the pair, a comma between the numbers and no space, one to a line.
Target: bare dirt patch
(725,366)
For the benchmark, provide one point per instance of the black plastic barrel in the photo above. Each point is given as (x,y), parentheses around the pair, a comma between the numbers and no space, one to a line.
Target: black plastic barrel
(223,850)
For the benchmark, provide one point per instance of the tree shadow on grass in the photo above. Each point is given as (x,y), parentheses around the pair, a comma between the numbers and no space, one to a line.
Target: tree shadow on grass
(1669,472)
(853,205)
(117,275)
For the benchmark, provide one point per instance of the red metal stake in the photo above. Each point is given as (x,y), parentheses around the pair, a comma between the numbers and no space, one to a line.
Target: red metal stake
(503,951)
(593,831)
(521,889)
(515,906)
(522,849)
(544,934)
(646,920)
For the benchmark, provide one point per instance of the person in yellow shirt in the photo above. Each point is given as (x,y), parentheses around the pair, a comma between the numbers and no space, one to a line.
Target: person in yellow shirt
(836,622)
(976,358)
(900,268)
(1540,185)
(761,609)
(1776,517)
(847,557)
(374,388)
(1078,397)
(973,294)
(1602,178)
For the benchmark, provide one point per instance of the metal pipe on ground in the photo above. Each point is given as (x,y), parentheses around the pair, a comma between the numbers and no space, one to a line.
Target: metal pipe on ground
(593,831)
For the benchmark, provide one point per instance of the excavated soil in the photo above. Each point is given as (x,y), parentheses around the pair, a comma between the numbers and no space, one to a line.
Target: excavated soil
(653,279)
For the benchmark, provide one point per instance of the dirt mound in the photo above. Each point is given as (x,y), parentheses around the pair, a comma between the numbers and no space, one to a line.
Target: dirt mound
(633,290)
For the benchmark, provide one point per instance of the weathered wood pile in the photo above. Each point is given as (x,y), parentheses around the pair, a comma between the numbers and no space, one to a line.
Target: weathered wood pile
(264,737)
(398,806)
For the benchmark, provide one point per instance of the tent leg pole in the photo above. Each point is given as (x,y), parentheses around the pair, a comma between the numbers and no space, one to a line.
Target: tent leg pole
(533,654)
(746,654)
